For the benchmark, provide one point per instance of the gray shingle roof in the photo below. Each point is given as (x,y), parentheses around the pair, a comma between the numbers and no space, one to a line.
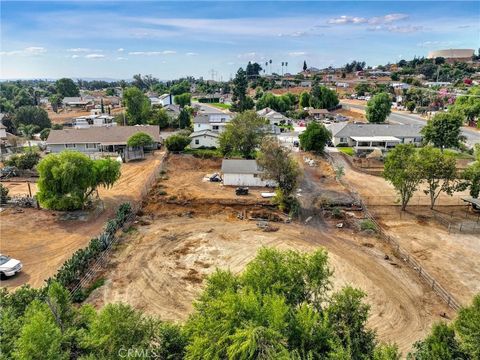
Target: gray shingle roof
(101,134)
(236,166)
(201,119)
(378,130)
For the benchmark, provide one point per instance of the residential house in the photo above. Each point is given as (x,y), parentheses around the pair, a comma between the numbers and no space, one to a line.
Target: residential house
(204,139)
(76,102)
(373,136)
(98,139)
(87,121)
(274,117)
(172,110)
(215,121)
(237,172)
(318,114)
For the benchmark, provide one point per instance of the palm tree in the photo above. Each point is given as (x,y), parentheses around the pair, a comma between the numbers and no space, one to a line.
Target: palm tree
(282,67)
(270,61)
(266,65)
(27,131)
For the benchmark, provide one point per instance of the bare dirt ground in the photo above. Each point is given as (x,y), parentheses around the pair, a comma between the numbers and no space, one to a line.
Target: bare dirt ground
(43,241)
(65,116)
(452,258)
(160,264)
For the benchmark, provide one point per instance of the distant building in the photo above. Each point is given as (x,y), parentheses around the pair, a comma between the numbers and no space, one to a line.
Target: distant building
(76,102)
(453,55)
(318,114)
(243,173)
(215,122)
(83,122)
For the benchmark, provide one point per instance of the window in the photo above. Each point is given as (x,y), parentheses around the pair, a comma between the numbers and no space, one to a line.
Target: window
(215,127)
(69,146)
(255,175)
(197,142)
(91,146)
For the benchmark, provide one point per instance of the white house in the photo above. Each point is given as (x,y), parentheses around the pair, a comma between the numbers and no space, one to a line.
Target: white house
(211,121)
(243,173)
(374,136)
(204,139)
(83,122)
(274,117)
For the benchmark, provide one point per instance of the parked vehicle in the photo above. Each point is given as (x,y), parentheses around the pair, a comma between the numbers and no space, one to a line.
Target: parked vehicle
(9,266)
(296,143)
(241,191)
(215,178)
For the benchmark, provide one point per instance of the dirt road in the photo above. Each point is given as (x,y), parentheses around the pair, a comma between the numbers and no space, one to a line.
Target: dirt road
(43,241)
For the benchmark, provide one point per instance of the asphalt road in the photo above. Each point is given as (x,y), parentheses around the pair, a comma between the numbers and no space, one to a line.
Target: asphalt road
(472,136)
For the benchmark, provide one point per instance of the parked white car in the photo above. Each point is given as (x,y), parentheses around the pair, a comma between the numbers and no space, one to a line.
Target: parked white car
(9,266)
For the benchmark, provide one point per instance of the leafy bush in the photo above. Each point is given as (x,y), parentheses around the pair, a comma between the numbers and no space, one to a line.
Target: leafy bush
(368,224)
(4,194)
(177,142)
(24,161)
(140,139)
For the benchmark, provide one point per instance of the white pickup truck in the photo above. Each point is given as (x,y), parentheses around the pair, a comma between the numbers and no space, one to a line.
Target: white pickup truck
(9,266)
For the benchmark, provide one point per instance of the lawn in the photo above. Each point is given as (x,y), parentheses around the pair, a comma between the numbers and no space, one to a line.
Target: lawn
(221,105)
(458,154)
(347,150)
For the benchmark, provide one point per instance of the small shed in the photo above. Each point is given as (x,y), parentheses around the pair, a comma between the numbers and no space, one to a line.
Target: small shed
(238,172)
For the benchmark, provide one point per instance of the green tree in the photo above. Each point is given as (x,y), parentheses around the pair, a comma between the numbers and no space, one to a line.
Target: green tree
(348,316)
(241,102)
(68,179)
(322,97)
(183,100)
(243,134)
(467,327)
(44,134)
(443,130)
(23,98)
(471,178)
(314,138)
(138,106)
(55,101)
(468,105)
(66,87)
(140,139)
(32,115)
(278,165)
(177,142)
(410,106)
(27,131)
(304,99)
(24,161)
(402,170)
(439,171)
(116,329)
(378,108)
(159,117)
(440,344)
(180,88)
(40,337)
(184,120)
(305,65)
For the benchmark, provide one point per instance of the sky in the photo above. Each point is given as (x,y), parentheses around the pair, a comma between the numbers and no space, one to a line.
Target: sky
(172,39)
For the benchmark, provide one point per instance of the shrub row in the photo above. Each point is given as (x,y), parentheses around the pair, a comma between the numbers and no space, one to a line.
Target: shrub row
(77,266)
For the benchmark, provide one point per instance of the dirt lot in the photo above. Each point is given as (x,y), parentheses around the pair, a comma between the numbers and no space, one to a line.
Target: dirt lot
(43,241)
(452,258)
(161,262)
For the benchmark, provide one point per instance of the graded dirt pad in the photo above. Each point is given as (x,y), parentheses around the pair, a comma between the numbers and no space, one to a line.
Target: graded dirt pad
(42,241)
(453,259)
(160,267)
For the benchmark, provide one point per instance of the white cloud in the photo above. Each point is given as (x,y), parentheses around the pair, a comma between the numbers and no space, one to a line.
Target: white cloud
(120,49)
(294,34)
(397,29)
(120,58)
(152,53)
(80,50)
(347,20)
(94,56)
(75,56)
(297,53)
(431,44)
(377,20)
(28,51)
(191,54)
